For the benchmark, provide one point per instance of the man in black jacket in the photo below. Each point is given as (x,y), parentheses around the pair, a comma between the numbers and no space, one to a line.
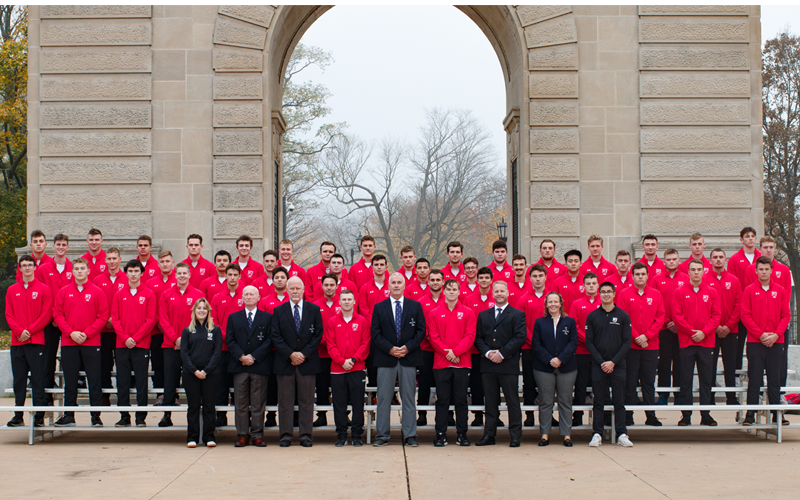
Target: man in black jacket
(249,343)
(398,327)
(296,334)
(499,336)
(608,339)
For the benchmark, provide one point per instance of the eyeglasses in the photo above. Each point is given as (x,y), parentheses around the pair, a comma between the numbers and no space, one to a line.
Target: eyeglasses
(606,292)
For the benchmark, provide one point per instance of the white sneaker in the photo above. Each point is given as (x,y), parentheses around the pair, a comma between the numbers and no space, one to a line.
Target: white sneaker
(191,444)
(597,440)
(623,440)
(211,444)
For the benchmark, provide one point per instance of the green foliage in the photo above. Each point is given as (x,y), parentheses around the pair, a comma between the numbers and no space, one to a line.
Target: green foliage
(13,95)
(13,216)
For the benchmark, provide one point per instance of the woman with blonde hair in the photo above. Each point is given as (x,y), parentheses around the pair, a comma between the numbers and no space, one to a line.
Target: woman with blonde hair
(555,339)
(201,353)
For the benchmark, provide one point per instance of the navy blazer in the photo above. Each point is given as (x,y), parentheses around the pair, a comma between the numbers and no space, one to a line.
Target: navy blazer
(507,334)
(548,344)
(384,336)
(255,340)
(287,339)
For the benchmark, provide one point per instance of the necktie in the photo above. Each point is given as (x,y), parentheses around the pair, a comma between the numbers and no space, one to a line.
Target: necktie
(297,317)
(250,319)
(398,314)
(497,313)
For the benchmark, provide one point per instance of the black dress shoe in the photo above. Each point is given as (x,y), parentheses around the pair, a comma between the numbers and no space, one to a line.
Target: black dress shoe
(123,422)
(514,443)
(544,442)
(485,441)
(306,443)
(568,443)
(166,421)
(652,421)
(285,444)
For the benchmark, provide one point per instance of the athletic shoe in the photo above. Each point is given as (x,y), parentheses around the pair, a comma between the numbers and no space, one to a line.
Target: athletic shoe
(96,422)
(123,422)
(750,419)
(653,421)
(624,441)
(65,421)
(441,440)
(16,422)
(685,421)
(597,440)
(211,444)
(708,421)
(462,440)
(191,444)
(341,441)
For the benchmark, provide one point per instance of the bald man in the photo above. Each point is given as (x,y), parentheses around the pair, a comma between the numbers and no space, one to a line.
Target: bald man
(249,344)
(296,334)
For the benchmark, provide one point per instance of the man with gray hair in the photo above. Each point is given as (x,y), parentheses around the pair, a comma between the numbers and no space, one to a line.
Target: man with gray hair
(398,327)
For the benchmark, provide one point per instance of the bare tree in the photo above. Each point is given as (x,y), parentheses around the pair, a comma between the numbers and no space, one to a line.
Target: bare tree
(781,132)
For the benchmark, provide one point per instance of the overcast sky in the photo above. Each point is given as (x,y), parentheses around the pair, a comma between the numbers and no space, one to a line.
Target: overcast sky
(386,74)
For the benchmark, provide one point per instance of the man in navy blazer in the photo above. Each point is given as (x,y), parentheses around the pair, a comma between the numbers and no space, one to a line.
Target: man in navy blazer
(398,327)
(296,335)
(249,344)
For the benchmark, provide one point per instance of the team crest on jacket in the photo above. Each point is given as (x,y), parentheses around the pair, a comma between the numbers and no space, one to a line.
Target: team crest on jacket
(120,286)
(69,275)
(88,297)
(614,320)
(727,285)
(355,326)
(188,301)
(460,315)
(386,293)
(680,283)
(202,270)
(774,295)
(141,300)
(705,298)
(649,301)
(777,274)
(508,274)
(240,303)
(34,295)
(338,309)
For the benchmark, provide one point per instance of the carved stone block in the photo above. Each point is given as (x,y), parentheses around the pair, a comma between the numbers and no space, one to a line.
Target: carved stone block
(551,32)
(95,88)
(554,223)
(560,84)
(237,87)
(95,32)
(706,222)
(238,142)
(256,14)
(554,112)
(696,194)
(234,225)
(554,140)
(238,115)
(689,84)
(230,31)
(93,11)
(94,143)
(95,170)
(554,168)
(557,57)
(238,170)
(529,14)
(238,198)
(695,167)
(119,226)
(95,115)
(693,10)
(695,140)
(95,60)
(658,29)
(692,57)
(555,195)
(694,112)
(227,59)
(65,199)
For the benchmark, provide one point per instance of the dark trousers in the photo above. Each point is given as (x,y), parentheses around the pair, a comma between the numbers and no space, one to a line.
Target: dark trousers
(224,395)
(492,383)
(583,381)
(301,386)
(52,338)
(529,390)
(323,382)
(728,347)
(27,358)
(601,382)
(172,374)
(348,388)
(200,393)
(740,342)
(138,360)
(476,382)
(71,358)
(108,343)
(669,361)
(702,357)
(451,383)
(425,381)
(761,358)
(640,366)
(157,359)
(249,391)
(785,365)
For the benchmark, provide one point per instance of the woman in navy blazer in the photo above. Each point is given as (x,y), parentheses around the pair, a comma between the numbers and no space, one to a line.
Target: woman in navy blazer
(555,338)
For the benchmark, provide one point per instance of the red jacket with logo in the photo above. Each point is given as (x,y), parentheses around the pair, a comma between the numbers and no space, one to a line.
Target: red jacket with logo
(46,259)
(29,309)
(314,275)
(175,312)
(134,316)
(700,310)
(203,270)
(667,285)
(452,330)
(738,264)
(158,287)
(270,302)
(505,274)
(328,313)
(570,290)
(603,270)
(212,286)
(428,305)
(781,276)
(151,269)
(619,286)
(369,295)
(347,340)
(467,290)
(579,311)
(554,271)
(516,290)
(654,270)
(730,293)
(414,290)
(81,311)
(684,267)
(646,312)
(765,311)
(48,275)
(477,303)
(360,274)
(97,264)
(533,307)
(344,284)
(448,273)
(110,289)
(222,306)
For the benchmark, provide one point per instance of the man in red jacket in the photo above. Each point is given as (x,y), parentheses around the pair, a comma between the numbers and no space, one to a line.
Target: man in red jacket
(408,258)
(328,307)
(501,270)
(38,246)
(426,380)
(696,313)
(29,308)
(286,251)
(454,269)
(111,281)
(374,291)
(579,312)
(212,285)
(470,283)
(596,263)
(133,313)
(348,342)
(532,304)
(264,283)
(81,311)
(95,257)
(555,270)
(452,334)
(144,245)
(360,273)
(730,294)
(418,287)
(655,266)
(645,306)
(315,273)
(175,314)
(765,312)
(225,303)
(696,245)
(737,265)
(669,363)
(521,284)
(480,300)
(570,285)
(159,285)
(622,278)
(338,270)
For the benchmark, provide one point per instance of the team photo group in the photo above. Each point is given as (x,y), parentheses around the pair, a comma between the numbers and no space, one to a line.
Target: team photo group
(255,333)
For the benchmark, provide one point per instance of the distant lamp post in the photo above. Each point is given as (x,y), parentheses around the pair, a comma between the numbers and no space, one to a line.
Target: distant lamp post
(357,248)
(502,230)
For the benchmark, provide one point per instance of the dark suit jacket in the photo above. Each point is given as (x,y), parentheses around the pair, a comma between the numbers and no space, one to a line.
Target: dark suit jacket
(242,340)
(548,345)
(287,339)
(384,336)
(506,335)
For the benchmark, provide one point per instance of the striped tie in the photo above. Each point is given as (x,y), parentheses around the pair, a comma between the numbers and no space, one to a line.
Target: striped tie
(398,314)
(250,319)
(297,317)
